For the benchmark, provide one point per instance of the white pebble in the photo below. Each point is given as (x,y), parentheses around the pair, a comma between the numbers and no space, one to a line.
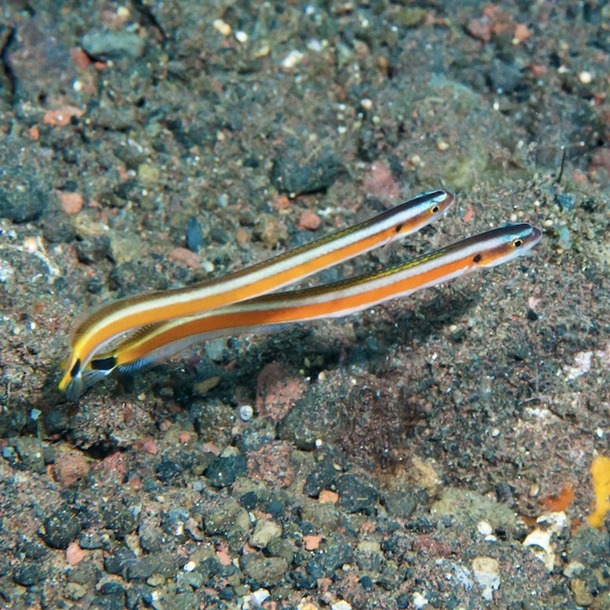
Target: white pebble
(585,77)
(222,26)
(487,574)
(292,59)
(259,596)
(484,528)
(246,412)
(419,601)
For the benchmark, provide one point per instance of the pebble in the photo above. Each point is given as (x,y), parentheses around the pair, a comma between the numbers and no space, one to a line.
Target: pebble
(74,554)
(582,595)
(30,453)
(293,175)
(113,44)
(224,470)
(70,468)
(337,553)
(246,412)
(402,501)
(279,547)
(28,574)
(194,234)
(60,528)
(260,595)
(72,203)
(468,508)
(117,562)
(120,519)
(322,477)
(264,531)
(265,571)
(486,572)
(356,494)
(229,520)
(22,204)
(309,220)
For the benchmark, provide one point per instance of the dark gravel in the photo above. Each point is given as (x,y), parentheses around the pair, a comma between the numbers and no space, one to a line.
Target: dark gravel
(401,458)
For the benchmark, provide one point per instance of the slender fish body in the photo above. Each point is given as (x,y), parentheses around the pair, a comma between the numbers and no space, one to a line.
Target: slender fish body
(115,319)
(155,342)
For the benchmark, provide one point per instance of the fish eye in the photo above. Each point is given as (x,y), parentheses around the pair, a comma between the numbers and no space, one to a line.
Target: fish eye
(518,243)
(435,209)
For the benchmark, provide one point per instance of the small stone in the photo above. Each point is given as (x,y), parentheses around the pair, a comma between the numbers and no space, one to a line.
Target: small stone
(113,44)
(222,26)
(309,220)
(120,519)
(312,542)
(266,571)
(74,554)
(277,391)
(224,470)
(585,77)
(295,176)
(72,203)
(60,528)
(480,29)
(486,572)
(70,468)
(379,182)
(148,174)
(402,500)
(30,453)
(328,497)
(150,446)
(320,479)
(246,412)
(187,257)
(468,508)
(582,595)
(228,519)
(356,495)
(60,117)
(151,538)
(272,464)
(264,531)
(28,575)
(119,561)
(279,547)
(75,591)
(340,605)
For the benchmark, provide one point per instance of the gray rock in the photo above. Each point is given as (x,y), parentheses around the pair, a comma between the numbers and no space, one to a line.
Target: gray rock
(468,508)
(294,176)
(264,531)
(224,470)
(313,417)
(22,204)
(279,547)
(60,528)
(113,45)
(402,501)
(356,494)
(228,519)
(265,571)
(120,519)
(30,452)
(28,574)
